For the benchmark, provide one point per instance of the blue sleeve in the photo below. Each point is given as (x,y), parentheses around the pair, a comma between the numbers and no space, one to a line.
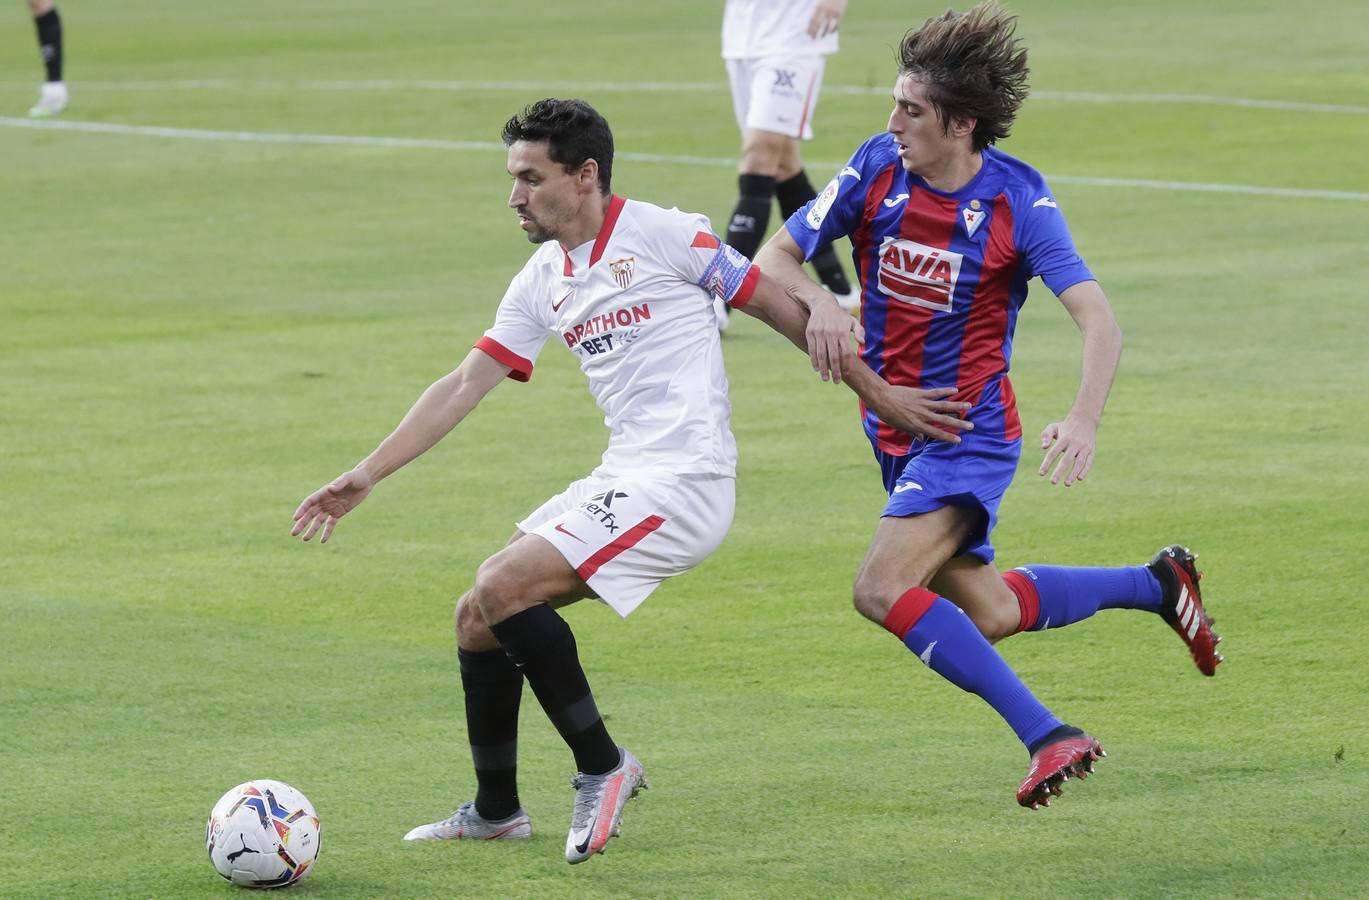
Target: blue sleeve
(1044,241)
(836,212)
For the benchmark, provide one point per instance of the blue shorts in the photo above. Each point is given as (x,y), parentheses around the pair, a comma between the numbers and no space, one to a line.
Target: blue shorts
(974,473)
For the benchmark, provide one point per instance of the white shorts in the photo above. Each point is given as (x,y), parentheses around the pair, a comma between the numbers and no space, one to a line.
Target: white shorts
(776,93)
(625,535)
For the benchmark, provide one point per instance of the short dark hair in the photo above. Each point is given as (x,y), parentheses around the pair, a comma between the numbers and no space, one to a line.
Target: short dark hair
(973,66)
(574,131)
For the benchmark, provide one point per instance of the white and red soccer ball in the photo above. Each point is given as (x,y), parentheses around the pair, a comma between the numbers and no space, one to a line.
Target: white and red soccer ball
(263,834)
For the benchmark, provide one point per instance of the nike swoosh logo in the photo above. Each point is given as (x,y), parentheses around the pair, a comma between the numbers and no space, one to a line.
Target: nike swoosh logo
(563,531)
(556,307)
(896,201)
(584,845)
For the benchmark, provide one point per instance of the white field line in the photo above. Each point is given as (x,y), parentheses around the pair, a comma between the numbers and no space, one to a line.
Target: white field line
(258,137)
(617,87)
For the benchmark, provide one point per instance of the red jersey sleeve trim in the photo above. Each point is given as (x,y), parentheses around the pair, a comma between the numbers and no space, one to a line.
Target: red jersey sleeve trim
(706,241)
(521,369)
(743,295)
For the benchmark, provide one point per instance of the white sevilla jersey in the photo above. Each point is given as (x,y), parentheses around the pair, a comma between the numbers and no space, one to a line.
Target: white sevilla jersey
(758,29)
(636,306)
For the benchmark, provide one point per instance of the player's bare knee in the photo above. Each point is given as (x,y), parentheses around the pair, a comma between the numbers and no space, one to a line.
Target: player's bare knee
(471,631)
(496,592)
(872,599)
(875,593)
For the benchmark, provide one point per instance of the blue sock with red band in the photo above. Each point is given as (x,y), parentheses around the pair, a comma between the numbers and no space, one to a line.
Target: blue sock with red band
(946,640)
(1056,596)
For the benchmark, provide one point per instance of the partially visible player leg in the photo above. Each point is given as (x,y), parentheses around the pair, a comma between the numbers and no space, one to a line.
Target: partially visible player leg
(493,689)
(762,150)
(512,590)
(1056,596)
(1034,598)
(53,98)
(891,591)
(761,155)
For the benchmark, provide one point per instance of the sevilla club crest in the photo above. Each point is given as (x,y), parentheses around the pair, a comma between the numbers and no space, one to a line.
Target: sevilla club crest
(622,270)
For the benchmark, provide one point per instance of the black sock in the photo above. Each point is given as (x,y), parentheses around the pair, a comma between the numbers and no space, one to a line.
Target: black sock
(493,687)
(752,215)
(541,644)
(50,42)
(793,193)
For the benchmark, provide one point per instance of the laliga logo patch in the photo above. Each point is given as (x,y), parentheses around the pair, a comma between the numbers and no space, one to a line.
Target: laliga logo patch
(973,216)
(918,275)
(622,270)
(821,206)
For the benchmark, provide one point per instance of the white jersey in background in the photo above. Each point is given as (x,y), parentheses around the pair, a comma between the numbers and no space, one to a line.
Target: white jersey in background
(755,29)
(635,305)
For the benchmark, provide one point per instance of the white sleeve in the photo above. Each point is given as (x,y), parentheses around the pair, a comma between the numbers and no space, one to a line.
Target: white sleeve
(686,242)
(520,327)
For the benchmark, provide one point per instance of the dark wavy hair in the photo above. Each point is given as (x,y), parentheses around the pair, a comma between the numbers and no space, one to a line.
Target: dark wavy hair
(574,131)
(973,67)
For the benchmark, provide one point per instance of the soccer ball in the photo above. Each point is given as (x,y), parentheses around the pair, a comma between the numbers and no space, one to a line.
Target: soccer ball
(263,834)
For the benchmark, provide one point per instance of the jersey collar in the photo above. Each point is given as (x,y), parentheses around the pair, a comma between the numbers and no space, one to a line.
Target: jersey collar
(615,208)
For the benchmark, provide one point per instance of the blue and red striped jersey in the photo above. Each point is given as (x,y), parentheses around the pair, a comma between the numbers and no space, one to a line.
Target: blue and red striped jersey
(943,276)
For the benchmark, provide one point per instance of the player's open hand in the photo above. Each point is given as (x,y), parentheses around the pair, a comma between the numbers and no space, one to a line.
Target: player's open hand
(924,413)
(325,506)
(826,18)
(829,333)
(1069,446)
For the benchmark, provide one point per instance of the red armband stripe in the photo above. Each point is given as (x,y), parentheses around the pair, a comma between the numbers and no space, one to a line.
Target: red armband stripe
(521,369)
(743,295)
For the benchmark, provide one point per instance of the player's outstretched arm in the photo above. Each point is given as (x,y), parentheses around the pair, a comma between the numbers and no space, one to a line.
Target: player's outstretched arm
(440,409)
(914,411)
(1070,444)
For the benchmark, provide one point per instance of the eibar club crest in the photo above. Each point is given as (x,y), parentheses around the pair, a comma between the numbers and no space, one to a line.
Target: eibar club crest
(622,270)
(973,215)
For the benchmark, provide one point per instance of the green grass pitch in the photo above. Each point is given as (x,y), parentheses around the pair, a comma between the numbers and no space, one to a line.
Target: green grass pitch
(196,333)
